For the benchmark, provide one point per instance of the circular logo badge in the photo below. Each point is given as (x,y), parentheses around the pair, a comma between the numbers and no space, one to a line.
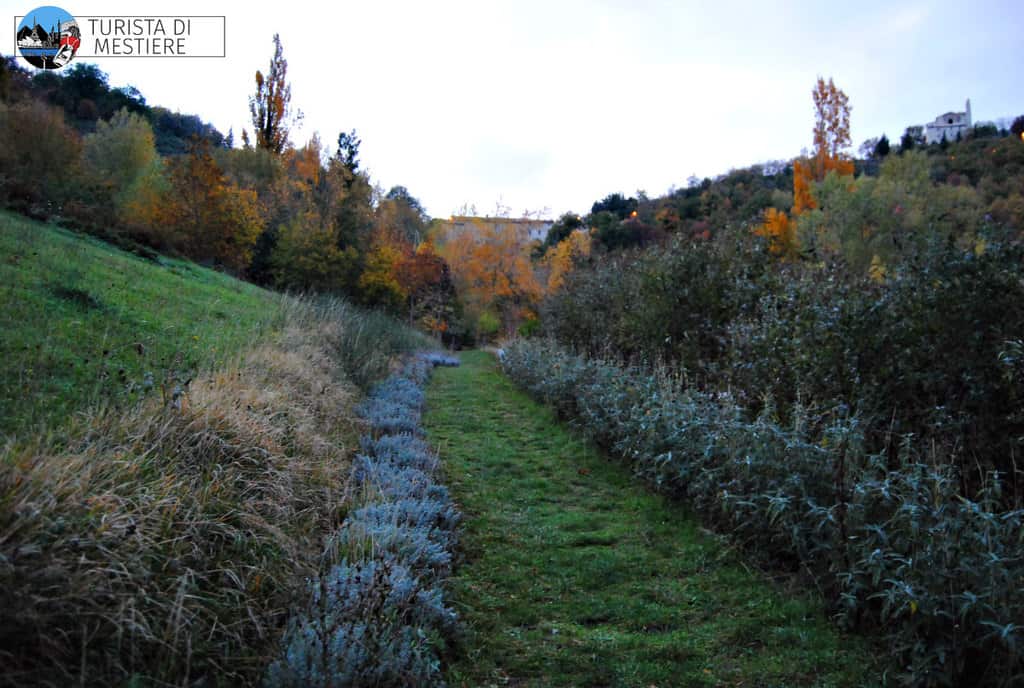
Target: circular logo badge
(48,37)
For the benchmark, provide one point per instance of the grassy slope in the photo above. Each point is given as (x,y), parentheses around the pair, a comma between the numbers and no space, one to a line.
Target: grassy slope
(577,576)
(83,322)
(246,471)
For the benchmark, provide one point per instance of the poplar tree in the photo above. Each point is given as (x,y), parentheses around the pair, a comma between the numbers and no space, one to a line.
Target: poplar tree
(831,124)
(270,106)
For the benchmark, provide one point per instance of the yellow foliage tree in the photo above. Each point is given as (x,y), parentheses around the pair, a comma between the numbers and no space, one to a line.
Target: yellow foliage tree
(378,283)
(780,232)
(561,258)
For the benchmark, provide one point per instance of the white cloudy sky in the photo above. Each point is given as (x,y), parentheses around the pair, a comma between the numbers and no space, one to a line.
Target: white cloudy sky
(553,104)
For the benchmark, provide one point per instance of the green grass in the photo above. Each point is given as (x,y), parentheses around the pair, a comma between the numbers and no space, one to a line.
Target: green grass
(575,575)
(83,322)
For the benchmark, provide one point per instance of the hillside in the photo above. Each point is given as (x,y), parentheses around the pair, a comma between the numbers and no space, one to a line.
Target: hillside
(180,446)
(87,323)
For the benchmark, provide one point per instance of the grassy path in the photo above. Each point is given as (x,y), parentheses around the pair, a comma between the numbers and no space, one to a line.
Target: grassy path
(576,575)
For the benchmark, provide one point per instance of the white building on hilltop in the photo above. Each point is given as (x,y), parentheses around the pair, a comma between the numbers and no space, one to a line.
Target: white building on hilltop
(948,126)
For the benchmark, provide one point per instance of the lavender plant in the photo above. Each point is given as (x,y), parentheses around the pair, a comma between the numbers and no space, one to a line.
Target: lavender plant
(378,618)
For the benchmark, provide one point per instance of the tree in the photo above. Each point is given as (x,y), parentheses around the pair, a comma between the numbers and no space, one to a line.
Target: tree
(882,147)
(780,232)
(1017,128)
(305,256)
(912,138)
(83,82)
(354,216)
(867,149)
(492,270)
(347,155)
(831,129)
(124,174)
(424,276)
(174,131)
(803,200)
(378,284)
(616,235)
(616,204)
(832,119)
(120,150)
(5,79)
(141,208)
(39,154)
(563,257)
(831,139)
(562,229)
(906,142)
(210,218)
(401,217)
(270,107)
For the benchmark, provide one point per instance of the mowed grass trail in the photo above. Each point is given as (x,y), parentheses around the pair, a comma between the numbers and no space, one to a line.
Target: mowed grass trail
(576,575)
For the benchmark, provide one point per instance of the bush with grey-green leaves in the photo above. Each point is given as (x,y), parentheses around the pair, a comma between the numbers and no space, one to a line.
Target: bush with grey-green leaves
(378,618)
(895,546)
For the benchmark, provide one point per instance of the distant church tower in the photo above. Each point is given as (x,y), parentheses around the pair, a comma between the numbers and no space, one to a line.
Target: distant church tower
(968,112)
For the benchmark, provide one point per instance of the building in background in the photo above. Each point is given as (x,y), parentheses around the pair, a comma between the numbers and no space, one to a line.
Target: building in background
(949,127)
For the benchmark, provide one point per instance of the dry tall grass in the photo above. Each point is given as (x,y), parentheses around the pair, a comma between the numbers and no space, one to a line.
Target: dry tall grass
(165,545)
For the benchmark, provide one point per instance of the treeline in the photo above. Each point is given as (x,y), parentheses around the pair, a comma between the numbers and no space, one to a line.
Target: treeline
(874,210)
(987,165)
(99,159)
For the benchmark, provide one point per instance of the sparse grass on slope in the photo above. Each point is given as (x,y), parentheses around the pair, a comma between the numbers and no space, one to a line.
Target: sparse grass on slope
(83,322)
(577,576)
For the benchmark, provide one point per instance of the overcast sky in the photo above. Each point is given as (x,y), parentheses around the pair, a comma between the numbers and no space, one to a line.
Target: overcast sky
(555,104)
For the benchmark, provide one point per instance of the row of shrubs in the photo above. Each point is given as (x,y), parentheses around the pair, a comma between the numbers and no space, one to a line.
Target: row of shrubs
(378,617)
(921,351)
(895,549)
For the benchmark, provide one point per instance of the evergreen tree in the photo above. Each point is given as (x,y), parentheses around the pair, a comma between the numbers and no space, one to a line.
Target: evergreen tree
(882,147)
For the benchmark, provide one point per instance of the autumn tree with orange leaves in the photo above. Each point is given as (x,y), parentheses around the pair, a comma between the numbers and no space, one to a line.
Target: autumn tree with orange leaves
(492,271)
(426,280)
(207,216)
(831,130)
(563,257)
(831,139)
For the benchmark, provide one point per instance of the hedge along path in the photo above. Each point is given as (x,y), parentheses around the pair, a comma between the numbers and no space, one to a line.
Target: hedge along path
(575,575)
